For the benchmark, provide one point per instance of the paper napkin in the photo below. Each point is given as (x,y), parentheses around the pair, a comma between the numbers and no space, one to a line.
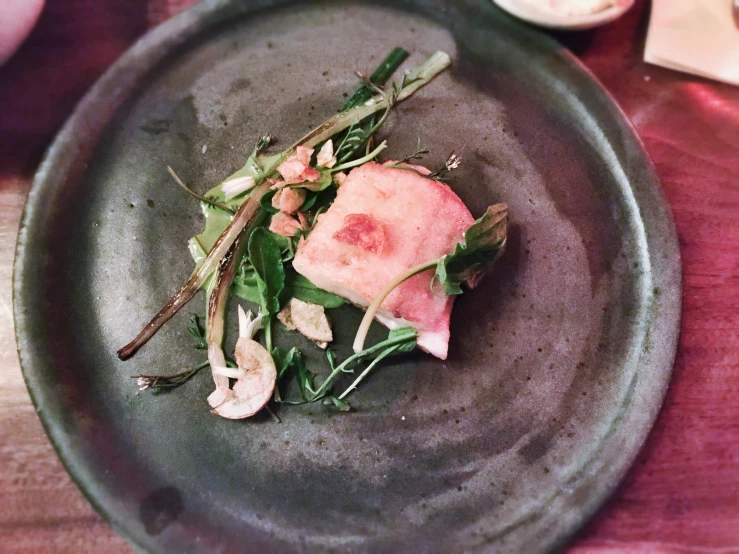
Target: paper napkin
(695,36)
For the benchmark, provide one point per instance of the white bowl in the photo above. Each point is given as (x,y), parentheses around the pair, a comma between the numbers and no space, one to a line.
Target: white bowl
(527,11)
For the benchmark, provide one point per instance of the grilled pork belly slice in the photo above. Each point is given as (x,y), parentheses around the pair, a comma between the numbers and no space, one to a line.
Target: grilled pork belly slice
(386,220)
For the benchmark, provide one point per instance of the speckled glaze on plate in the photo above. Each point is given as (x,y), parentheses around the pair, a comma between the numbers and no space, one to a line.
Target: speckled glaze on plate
(558,362)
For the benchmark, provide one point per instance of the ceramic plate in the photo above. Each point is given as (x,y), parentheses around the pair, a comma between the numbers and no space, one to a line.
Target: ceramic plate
(558,362)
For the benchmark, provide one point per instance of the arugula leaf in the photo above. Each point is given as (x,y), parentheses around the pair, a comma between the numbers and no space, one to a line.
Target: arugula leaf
(304,290)
(285,359)
(291,361)
(266,258)
(483,243)
(305,378)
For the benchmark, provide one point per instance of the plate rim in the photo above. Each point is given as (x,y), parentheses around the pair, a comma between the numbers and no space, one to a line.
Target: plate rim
(121,79)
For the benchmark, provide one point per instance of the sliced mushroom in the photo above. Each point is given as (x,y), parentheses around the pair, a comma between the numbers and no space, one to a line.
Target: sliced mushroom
(286,318)
(310,320)
(256,374)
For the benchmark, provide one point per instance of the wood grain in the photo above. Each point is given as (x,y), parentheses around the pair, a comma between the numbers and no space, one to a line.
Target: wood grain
(682,495)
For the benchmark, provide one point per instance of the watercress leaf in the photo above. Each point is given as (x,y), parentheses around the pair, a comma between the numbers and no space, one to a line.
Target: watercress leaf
(266,258)
(304,290)
(482,245)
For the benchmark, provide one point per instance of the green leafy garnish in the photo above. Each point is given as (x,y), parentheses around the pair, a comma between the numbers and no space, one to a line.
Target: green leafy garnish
(285,359)
(383,72)
(402,339)
(266,258)
(290,362)
(304,290)
(483,243)
(196,329)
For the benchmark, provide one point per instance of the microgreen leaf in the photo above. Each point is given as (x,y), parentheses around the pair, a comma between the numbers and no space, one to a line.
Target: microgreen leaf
(198,332)
(483,243)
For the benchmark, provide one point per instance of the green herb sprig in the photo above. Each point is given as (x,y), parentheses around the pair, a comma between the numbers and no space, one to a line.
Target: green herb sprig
(481,245)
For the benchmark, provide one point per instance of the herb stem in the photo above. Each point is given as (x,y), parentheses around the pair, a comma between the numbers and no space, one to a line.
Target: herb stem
(368,369)
(369,315)
(383,72)
(267,328)
(353,358)
(167,381)
(360,161)
(417,78)
(197,196)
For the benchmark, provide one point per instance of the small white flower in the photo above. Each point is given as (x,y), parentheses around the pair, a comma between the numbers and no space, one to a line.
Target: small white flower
(234,187)
(326,156)
(248,324)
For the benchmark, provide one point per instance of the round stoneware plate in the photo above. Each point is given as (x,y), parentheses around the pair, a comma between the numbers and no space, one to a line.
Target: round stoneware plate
(558,362)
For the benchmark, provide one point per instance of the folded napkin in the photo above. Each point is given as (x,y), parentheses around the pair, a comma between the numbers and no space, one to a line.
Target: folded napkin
(695,36)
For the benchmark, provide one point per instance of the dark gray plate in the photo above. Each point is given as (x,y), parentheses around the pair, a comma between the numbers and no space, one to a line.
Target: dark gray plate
(558,363)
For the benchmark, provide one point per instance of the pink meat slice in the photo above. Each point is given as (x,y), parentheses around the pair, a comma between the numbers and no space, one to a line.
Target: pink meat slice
(385,220)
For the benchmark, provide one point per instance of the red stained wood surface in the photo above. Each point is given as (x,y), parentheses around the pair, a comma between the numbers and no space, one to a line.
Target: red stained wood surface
(682,495)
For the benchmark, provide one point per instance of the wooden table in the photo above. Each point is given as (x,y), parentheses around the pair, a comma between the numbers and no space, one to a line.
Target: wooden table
(682,495)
